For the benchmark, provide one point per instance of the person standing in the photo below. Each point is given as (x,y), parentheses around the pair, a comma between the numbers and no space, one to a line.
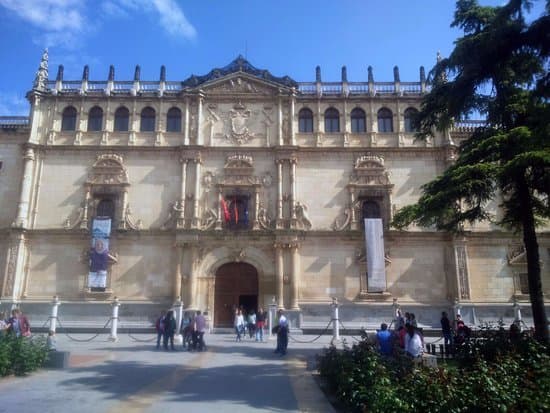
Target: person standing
(282,333)
(251,323)
(238,322)
(413,343)
(384,340)
(200,328)
(169,330)
(159,327)
(260,324)
(446,329)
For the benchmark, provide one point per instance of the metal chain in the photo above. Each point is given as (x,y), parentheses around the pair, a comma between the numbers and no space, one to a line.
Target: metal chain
(88,339)
(316,338)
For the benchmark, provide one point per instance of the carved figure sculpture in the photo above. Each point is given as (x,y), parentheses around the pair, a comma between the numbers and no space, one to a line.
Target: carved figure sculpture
(264,220)
(209,218)
(302,215)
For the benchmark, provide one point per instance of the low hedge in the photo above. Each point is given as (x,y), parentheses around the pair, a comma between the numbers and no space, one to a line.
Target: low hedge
(490,374)
(21,355)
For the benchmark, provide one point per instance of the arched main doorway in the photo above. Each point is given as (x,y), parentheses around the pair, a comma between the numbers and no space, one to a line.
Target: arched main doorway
(236,285)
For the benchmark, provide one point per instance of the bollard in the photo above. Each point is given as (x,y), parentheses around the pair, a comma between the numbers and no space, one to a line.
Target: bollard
(178,309)
(335,320)
(114,319)
(272,311)
(442,350)
(517,314)
(53,317)
(457,308)
(395,307)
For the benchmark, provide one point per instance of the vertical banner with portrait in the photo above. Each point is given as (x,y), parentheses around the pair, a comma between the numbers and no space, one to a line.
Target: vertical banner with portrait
(99,253)
(376,268)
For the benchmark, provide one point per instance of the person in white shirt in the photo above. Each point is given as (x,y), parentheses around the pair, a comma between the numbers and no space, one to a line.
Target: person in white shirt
(282,334)
(413,342)
(239,324)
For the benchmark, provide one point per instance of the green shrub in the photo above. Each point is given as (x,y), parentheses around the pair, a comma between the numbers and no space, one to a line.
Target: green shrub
(491,374)
(21,355)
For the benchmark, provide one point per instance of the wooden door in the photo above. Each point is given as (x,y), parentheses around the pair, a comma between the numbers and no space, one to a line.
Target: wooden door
(233,280)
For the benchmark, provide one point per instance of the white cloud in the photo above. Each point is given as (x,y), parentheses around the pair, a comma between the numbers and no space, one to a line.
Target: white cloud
(58,20)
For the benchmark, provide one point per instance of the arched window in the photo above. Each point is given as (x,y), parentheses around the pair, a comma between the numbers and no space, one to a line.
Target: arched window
(332,120)
(106,208)
(385,120)
(305,121)
(358,121)
(173,120)
(95,119)
(410,118)
(122,119)
(68,122)
(147,120)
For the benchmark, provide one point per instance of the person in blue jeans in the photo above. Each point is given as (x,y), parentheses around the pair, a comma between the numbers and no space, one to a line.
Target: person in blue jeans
(260,324)
(384,338)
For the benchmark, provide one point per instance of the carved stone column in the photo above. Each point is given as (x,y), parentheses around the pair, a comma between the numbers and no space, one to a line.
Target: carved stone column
(280,121)
(462,269)
(124,208)
(86,206)
(279,221)
(192,285)
(180,222)
(279,280)
(15,270)
(196,196)
(220,211)
(26,188)
(186,128)
(353,220)
(291,120)
(293,163)
(200,140)
(177,293)
(255,223)
(295,276)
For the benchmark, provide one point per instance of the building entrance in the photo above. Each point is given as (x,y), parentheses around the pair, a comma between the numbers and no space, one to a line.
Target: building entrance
(236,286)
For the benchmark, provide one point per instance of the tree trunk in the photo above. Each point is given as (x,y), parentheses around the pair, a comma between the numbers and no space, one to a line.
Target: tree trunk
(533,264)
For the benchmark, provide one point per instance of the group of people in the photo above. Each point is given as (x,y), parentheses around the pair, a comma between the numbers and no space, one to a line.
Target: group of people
(191,328)
(409,337)
(249,321)
(17,324)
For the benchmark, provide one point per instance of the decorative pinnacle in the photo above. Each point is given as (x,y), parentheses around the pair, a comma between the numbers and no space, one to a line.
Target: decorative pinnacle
(137,73)
(318,74)
(344,74)
(396,74)
(163,73)
(371,76)
(42,74)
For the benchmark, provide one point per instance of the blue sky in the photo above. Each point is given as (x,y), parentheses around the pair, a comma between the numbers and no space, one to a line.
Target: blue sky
(287,37)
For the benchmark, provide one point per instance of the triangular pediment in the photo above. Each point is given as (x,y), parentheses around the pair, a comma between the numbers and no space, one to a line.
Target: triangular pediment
(250,78)
(239,83)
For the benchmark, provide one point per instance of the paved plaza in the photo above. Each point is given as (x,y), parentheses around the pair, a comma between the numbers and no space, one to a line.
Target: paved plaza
(132,376)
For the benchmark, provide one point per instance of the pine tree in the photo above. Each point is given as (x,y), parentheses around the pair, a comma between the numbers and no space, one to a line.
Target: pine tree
(498,68)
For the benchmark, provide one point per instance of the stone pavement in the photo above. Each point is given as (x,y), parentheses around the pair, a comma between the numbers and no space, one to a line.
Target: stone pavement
(132,376)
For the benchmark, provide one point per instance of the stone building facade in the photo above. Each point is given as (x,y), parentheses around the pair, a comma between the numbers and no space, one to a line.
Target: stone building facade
(238,188)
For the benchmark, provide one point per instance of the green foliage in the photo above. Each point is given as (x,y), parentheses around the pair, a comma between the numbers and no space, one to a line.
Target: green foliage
(493,374)
(21,355)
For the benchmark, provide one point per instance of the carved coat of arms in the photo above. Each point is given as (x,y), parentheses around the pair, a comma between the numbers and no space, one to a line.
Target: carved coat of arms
(238,128)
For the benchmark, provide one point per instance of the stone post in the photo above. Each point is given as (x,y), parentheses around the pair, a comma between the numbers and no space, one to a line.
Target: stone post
(114,320)
(335,321)
(178,309)
(395,307)
(26,188)
(517,313)
(457,308)
(53,318)
(272,311)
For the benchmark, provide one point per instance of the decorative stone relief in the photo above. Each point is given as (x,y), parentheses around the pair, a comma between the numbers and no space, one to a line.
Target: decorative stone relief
(173,214)
(264,219)
(516,254)
(302,217)
(238,125)
(267,180)
(12,264)
(129,222)
(209,218)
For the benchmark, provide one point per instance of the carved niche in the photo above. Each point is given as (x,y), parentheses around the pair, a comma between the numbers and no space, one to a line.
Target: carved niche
(368,183)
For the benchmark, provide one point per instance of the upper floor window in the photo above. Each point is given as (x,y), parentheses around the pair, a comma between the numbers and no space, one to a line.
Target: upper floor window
(305,121)
(410,119)
(147,120)
(173,120)
(95,119)
(122,119)
(332,120)
(68,122)
(106,208)
(385,120)
(358,121)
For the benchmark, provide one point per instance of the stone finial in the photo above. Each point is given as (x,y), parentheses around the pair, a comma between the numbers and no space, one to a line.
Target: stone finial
(41,76)
(438,57)
(318,74)
(137,73)
(86,73)
(371,76)
(344,74)
(111,73)
(59,77)
(396,74)
(163,73)
(422,74)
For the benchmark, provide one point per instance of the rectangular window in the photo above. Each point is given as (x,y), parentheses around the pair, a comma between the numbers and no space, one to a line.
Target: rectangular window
(358,125)
(523,283)
(238,212)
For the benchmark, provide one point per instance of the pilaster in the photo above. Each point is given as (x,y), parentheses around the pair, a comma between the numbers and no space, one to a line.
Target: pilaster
(21,221)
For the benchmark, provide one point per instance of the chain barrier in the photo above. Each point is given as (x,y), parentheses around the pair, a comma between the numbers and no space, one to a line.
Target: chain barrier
(137,340)
(351,335)
(316,338)
(84,340)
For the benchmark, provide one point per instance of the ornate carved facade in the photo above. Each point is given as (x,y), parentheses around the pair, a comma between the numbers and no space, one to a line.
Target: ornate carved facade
(239,175)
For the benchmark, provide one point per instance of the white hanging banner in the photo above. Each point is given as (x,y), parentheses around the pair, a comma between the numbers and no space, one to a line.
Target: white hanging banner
(374,243)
